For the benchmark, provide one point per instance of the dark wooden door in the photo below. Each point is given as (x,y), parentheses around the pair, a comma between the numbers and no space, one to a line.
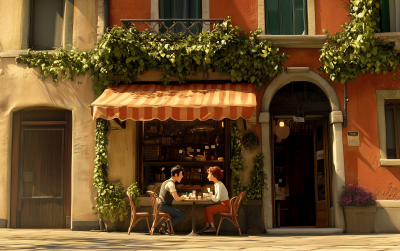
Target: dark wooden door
(41,169)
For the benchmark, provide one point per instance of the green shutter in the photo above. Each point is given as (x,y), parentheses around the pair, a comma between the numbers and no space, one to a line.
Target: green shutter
(286,11)
(272,16)
(47,24)
(385,20)
(286,17)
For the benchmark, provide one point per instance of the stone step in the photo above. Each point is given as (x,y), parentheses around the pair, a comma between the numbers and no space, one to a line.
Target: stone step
(322,231)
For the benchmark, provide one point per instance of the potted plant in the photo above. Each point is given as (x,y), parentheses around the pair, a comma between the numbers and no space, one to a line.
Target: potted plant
(250,140)
(359,209)
(254,196)
(113,206)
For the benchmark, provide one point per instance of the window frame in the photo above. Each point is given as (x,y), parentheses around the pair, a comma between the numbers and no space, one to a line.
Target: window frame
(391,104)
(381,97)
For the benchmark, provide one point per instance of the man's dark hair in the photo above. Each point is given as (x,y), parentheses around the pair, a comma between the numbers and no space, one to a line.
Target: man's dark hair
(176,170)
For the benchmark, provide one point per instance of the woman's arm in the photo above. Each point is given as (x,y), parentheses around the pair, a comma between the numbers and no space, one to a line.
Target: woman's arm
(217,195)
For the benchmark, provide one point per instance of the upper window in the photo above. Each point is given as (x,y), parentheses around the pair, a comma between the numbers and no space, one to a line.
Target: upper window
(181,9)
(286,17)
(392,121)
(390,16)
(46,24)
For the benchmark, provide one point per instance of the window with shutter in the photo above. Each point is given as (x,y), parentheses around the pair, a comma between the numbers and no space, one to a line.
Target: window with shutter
(46,24)
(389,16)
(286,17)
(180,9)
(392,121)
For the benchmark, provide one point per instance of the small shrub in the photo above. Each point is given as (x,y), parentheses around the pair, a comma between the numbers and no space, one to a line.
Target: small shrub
(357,196)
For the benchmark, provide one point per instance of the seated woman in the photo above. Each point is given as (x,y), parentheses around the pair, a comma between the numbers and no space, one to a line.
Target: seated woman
(221,194)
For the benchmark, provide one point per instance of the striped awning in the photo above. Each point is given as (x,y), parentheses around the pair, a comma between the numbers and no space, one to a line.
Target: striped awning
(179,102)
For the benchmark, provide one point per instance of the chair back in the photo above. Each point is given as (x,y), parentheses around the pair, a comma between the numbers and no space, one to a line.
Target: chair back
(156,202)
(133,208)
(235,203)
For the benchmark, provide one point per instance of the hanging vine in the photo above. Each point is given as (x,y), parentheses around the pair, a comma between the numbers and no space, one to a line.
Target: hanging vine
(236,163)
(255,189)
(123,52)
(354,50)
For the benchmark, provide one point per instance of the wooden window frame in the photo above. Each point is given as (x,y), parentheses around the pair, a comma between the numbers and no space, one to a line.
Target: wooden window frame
(391,104)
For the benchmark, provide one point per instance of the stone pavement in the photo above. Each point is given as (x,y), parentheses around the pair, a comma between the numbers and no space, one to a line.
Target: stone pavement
(30,239)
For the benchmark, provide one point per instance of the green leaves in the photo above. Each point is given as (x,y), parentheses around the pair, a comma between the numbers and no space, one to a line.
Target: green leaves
(354,50)
(122,52)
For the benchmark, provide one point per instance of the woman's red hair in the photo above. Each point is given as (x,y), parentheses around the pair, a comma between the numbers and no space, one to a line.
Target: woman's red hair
(216,172)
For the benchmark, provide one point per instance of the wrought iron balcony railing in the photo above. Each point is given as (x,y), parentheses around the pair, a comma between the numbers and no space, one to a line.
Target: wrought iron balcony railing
(176,27)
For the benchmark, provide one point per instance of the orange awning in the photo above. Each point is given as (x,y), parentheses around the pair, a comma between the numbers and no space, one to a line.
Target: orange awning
(179,102)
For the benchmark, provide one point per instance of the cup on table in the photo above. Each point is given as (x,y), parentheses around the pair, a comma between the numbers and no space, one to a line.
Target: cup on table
(205,195)
(211,193)
(199,197)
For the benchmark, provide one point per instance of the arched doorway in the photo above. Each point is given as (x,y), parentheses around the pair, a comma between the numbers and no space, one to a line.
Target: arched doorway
(329,110)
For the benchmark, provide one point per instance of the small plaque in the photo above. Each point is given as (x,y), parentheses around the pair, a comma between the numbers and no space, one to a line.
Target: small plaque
(298,119)
(353,139)
(212,146)
(206,147)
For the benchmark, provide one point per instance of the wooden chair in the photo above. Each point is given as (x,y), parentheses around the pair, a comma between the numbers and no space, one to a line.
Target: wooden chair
(233,212)
(159,216)
(135,216)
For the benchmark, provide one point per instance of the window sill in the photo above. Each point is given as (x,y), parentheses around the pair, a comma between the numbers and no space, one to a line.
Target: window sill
(295,41)
(17,53)
(390,162)
(389,37)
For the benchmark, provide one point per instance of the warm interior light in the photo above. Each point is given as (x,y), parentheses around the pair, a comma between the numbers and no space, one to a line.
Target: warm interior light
(222,124)
(281,124)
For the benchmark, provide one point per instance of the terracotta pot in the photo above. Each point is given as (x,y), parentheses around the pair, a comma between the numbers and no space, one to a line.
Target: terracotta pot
(359,219)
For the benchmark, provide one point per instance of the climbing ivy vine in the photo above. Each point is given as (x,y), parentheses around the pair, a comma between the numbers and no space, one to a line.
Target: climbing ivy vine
(258,177)
(354,50)
(124,51)
(236,163)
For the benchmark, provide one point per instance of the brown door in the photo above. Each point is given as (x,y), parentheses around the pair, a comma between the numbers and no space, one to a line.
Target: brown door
(321,174)
(41,176)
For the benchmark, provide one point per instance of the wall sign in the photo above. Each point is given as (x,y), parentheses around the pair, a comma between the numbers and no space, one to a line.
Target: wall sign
(320,154)
(353,139)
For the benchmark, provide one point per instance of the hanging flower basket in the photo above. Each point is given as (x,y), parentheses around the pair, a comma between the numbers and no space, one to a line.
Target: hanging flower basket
(251,141)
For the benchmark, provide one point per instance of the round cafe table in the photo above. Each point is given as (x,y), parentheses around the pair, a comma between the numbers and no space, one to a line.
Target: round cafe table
(193,203)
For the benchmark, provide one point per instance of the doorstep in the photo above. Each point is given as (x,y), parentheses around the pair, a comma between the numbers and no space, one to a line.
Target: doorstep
(326,231)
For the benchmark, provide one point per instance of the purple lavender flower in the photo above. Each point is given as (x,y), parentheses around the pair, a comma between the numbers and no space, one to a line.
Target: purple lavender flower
(357,196)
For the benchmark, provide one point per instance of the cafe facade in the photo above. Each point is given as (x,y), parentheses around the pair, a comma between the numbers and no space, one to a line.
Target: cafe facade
(153,127)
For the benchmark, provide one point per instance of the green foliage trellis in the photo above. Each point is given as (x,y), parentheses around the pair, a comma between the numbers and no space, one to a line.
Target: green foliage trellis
(110,197)
(122,52)
(258,177)
(354,50)
(236,163)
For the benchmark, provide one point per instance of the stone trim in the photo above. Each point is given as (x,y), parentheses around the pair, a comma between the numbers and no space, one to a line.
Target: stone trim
(336,135)
(85,225)
(17,53)
(390,162)
(381,95)
(296,41)
(310,18)
(205,13)
(388,203)
(389,37)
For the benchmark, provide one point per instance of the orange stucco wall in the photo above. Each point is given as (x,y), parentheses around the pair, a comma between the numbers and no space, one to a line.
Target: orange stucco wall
(329,15)
(128,9)
(242,13)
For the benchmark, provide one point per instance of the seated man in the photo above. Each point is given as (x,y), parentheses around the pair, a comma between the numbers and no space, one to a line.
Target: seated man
(168,194)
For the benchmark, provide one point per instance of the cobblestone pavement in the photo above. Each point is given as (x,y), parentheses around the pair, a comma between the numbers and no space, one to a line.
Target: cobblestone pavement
(29,239)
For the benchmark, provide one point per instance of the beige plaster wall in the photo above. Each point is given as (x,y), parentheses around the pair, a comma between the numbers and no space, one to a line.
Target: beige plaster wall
(85,24)
(10,25)
(387,218)
(122,154)
(20,87)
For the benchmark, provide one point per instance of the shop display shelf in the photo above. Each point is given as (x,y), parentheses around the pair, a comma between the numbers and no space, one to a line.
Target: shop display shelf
(185,145)
(183,163)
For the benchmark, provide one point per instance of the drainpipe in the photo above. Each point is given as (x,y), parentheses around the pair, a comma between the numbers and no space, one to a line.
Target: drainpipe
(106,8)
(346,99)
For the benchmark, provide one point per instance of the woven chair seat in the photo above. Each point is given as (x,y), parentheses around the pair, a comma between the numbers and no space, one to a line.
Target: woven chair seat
(143,214)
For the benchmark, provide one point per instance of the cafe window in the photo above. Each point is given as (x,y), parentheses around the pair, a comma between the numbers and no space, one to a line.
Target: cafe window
(286,17)
(46,24)
(181,9)
(389,16)
(392,121)
(194,145)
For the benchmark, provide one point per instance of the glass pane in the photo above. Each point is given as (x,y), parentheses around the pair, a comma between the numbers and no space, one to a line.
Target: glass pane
(287,17)
(47,23)
(390,139)
(272,15)
(298,17)
(384,23)
(181,9)
(398,122)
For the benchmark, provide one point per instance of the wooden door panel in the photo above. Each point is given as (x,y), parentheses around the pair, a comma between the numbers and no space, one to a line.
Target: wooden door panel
(42,213)
(321,173)
(43,151)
